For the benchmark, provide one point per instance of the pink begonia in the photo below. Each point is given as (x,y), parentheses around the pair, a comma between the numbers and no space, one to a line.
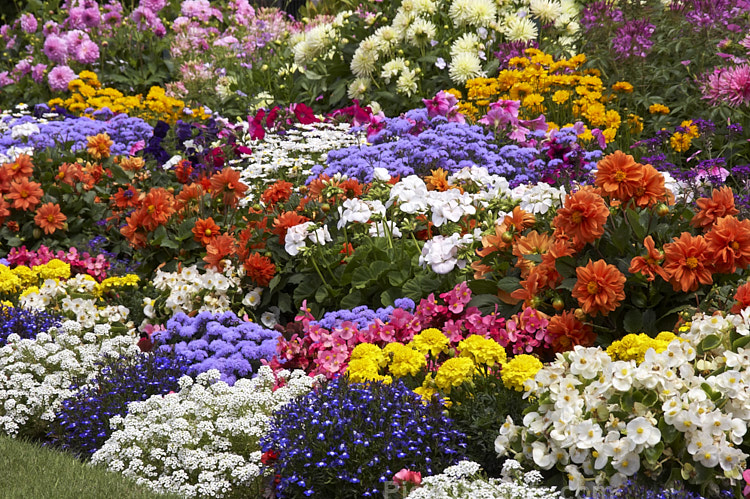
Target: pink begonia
(406,476)
(59,78)
(79,262)
(457,297)
(525,332)
(56,49)
(29,23)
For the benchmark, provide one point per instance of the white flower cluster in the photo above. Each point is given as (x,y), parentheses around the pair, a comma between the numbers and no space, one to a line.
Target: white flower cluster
(204,440)
(603,418)
(297,236)
(313,43)
(192,289)
(35,374)
(539,198)
(464,480)
(441,252)
(83,310)
(292,154)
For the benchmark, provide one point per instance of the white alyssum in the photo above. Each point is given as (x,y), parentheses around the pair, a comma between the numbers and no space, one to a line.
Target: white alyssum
(465,480)
(202,441)
(35,374)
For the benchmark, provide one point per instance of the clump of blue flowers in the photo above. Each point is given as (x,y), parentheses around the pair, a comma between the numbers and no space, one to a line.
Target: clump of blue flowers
(347,440)
(636,490)
(82,423)
(25,323)
(362,316)
(218,341)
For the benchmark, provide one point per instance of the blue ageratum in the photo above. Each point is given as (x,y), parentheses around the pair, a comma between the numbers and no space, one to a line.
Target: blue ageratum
(220,341)
(346,440)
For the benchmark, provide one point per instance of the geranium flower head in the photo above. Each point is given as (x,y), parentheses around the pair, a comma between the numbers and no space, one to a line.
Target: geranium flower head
(49,218)
(599,288)
(685,262)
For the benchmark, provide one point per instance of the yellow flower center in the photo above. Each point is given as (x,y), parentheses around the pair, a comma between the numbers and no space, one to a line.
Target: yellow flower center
(592,288)
(207,232)
(735,245)
(151,208)
(691,262)
(50,218)
(576,217)
(620,175)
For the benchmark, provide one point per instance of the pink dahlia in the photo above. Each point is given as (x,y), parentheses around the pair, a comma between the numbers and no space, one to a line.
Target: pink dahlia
(59,78)
(56,49)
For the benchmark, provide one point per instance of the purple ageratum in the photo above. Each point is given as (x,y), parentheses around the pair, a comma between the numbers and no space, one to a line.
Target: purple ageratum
(218,341)
(362,316)
(123,130)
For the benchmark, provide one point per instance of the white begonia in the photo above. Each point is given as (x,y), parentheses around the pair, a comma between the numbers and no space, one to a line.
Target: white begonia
(441,252)
(195,442)
(642,432)
(465,66)
(295,238)
(392,69)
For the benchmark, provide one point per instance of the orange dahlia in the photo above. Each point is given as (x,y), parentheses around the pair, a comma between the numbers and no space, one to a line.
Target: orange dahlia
(259,268)
(729,244)
(437,180)
(4,211)
(649,265)
(532,243)
(205,230)
(158,206)
(25,195)
(721,204)
(49,218)
(742,299)
(279,191)
(685,264)
(583,216)
(21,167)
(219,249)
(98,146)
(619,176)
(599,288)
(565,331)
(227,185)
(651,189)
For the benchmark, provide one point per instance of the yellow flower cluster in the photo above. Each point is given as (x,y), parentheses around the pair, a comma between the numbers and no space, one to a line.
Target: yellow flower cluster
(658,109)
(20,277)
(519,369)
(111,283)
(482,351)
(365,363)
(454,372)
(87,93)
(681,141)
(431,341)
(635,346)
(560,89)
(405,360)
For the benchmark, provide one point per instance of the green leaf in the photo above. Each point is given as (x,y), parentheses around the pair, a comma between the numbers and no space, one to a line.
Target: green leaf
(353,299)
(509,284)
(568,283)
(566,266)
(321,294)
(668,432)
(482,287)
(652,454)
(621,238)
(635,223)
(740,342)
(633,321)
(708,343)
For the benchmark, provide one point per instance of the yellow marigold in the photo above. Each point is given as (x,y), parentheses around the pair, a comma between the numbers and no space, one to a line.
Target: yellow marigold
(622,86)
(75,84)
(116,282)
(560,97)
(89,77)
(482,351)
(533,100)
(431,341)
(635,346)
(26,275)
(455,93)
(426,393)
(691,129)
(612,118)
(635,124)
(658,109)
(454,372)
(54,269)
(9,282)
(406,361)
(680,142)
(609,134)
(519,369)
(362,370)
(368,351)
(520,90)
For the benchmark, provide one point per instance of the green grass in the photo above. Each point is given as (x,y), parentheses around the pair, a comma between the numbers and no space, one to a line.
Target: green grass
(29,471)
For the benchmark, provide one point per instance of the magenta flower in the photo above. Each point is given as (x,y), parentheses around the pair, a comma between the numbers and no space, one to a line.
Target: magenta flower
(37,72)
(29,23)
(59,78)
(728,85)
(56,49)
(87,53)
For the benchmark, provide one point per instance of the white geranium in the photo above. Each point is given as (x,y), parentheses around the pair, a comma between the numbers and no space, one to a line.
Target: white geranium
(441,252)
(411,193)
(295,238)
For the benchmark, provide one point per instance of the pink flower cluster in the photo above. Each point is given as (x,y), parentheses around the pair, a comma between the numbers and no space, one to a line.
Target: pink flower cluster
(444,104)
(320,351)
(526,332)
(504,113)
(80,263)
(730,85)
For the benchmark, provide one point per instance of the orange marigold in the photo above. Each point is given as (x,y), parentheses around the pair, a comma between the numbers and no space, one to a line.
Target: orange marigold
(583,216)
(98,146)
(279,191)
(685,264)
(619,176)
(205,230)
(599,288)
(259,268)
(25,195)
(565,331)
(729,244)
(49,218)
(720,204)
(649,265)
